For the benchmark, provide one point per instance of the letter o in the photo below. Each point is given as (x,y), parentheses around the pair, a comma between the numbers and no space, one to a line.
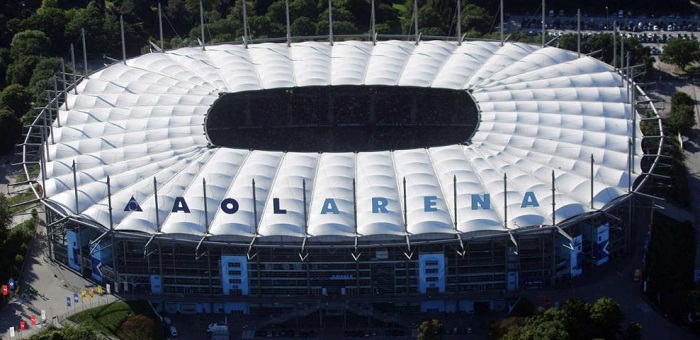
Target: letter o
(229,206)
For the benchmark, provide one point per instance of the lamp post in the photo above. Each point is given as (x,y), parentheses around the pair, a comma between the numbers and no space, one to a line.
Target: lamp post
(607,26)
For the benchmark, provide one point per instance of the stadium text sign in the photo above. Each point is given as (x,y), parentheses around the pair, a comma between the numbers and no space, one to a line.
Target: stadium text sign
(380,205)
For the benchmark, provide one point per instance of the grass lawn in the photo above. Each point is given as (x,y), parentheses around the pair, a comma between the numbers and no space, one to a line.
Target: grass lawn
(107,319)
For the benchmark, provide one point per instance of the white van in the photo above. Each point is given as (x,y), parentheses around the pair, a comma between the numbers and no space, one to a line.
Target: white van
(217,329)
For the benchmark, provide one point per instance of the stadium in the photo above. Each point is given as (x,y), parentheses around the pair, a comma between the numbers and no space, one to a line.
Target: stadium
(433,175)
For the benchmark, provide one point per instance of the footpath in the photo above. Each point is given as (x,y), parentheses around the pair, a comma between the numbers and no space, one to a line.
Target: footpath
(45,286)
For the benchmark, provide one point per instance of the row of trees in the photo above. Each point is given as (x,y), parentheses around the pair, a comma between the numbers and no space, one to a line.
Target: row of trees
(66,333)
(14,241)
(574,319)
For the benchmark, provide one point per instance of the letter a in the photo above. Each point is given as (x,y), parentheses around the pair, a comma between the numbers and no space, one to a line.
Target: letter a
(529,200)
(329,206)
(180,205)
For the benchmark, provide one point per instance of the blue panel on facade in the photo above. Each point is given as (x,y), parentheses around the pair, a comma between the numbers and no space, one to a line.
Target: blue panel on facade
(97,263)
(73,250)
(513,280)
(156,285)
(432,306)
(431,272)
(234,274)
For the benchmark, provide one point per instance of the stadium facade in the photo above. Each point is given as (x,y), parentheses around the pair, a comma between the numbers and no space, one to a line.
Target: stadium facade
(537,188)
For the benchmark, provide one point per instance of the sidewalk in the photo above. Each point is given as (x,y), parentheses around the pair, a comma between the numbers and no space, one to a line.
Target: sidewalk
(51,284)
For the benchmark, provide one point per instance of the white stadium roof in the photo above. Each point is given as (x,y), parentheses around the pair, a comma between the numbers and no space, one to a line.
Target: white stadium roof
(541,110)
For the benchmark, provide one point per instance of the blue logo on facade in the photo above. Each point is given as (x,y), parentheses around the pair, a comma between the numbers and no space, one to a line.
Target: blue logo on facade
(133,205)
(379,205)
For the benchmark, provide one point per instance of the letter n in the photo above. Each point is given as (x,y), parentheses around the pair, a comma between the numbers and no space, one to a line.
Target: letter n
(478,201)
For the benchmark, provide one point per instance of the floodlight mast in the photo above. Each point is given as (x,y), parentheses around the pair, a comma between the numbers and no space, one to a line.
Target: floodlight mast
(82,30)
(121,25)
(505,201)
(373,28)
(614,61)
(330,21)
(65,90)
(160,27)
(415,18)
(289,27)
(502,10)
(459,22)
(543,24)
(245,23)
(201,23)
(578,33)
(72,60)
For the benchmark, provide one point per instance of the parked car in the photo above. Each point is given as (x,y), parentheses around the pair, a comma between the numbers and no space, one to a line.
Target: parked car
(217,327)
(173,331)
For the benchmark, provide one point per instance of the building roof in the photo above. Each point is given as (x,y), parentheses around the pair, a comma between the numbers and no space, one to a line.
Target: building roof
(542,110)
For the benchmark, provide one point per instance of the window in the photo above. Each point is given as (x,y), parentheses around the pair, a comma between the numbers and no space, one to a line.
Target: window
(234,281)
(431,263)
(431,271)
(234,272)
(234,264)
(431,279)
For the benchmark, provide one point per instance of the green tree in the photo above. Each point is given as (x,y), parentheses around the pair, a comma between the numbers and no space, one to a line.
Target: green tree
(29,42)
(5,61)
(431,329)
(10,130)
(681,52)
(577,319)
(681,98)
(137,327)
(682,115)
(607,317)
(41,79)
(303,27)
(430,22)
(512,324)
(568,41)
(476,18)
(603,42)
(81,332)
(543,325)
(21,70)
(16,98)
(5,214)
(633,332)
(101,29)
(52,21)
(682,118)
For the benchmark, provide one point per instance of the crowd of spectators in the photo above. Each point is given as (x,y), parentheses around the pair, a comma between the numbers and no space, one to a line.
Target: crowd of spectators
(342,118)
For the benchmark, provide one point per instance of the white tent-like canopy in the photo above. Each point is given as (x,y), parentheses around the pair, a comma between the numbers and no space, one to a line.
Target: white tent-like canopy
(542,111)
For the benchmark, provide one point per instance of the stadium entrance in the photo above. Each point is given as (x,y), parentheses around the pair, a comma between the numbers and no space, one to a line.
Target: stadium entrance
(342,118)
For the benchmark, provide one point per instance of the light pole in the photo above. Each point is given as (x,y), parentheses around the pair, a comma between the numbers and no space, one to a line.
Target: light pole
(607,26)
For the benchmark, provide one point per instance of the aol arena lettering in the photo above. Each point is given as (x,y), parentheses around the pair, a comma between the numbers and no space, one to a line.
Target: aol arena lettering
(380,205)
